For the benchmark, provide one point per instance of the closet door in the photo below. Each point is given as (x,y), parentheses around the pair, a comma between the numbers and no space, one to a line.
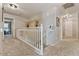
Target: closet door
(75,26)
(68,29)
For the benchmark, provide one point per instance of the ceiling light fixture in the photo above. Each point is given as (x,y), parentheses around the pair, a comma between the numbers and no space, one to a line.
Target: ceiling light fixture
(13,6)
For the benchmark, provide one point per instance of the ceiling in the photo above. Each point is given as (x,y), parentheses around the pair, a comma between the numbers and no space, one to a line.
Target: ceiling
(30,9)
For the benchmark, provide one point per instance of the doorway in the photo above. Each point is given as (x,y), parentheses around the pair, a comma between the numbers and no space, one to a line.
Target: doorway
(7,29)
(69,26)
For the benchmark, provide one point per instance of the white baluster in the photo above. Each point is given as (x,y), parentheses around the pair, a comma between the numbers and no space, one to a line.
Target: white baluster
(41,52)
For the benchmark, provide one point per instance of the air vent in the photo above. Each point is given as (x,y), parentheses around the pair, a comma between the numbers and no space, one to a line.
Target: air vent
(68,5)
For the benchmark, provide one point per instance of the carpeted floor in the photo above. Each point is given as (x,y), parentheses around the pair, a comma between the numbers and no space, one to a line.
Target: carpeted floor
(15,47)
(63,48)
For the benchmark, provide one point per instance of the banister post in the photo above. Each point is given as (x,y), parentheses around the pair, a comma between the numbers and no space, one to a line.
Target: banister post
(41,52)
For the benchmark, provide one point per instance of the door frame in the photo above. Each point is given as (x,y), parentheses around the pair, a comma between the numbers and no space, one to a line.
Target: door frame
(61,25)
(8,20)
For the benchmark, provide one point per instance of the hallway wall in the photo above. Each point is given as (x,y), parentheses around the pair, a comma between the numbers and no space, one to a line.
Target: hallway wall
(0,20)
(1,33)
(49,20)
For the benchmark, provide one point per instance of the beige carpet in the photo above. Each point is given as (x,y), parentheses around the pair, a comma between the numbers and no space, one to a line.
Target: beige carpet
(15,47)
(63,48)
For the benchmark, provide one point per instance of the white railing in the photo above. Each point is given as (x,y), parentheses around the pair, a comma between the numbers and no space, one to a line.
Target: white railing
(33,37)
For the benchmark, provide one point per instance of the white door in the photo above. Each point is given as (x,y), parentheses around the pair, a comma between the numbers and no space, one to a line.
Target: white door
(68,29)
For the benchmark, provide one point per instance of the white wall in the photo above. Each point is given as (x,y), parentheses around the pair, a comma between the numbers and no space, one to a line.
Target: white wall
(49,18)
(37,17)
(1,33)
(18,22)
(0,21)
